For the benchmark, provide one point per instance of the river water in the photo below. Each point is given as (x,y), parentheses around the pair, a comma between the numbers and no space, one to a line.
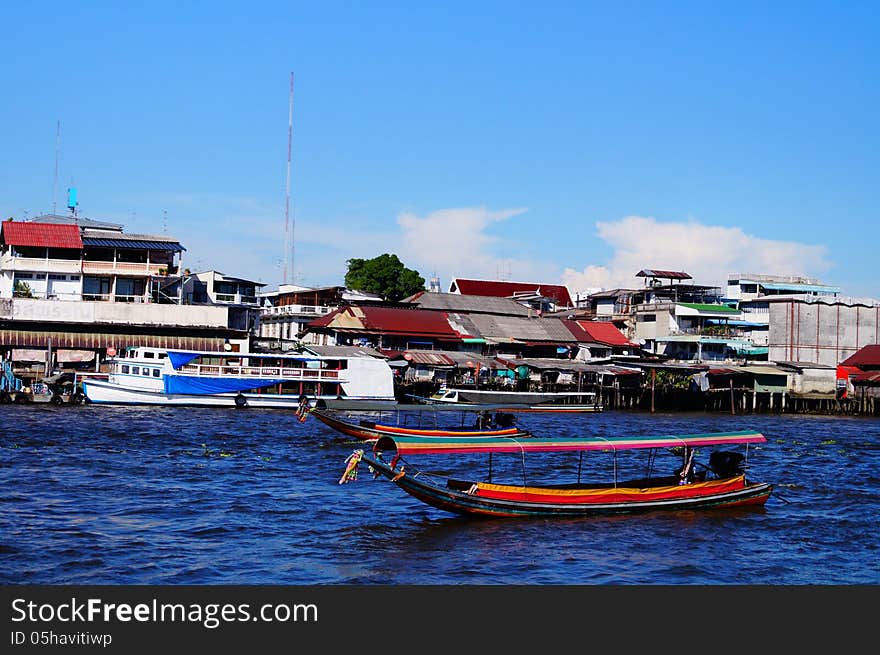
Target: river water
(133,495)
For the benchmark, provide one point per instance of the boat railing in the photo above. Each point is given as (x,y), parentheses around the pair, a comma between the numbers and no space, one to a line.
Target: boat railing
(261,371)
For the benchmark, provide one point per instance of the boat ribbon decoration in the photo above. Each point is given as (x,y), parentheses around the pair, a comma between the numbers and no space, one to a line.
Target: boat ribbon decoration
(351,466)
(303,409)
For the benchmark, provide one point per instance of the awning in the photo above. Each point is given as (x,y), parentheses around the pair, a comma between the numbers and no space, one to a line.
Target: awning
(28,355)
(133,243)
(451,445)
(180,359)
(75,355)
(102,340)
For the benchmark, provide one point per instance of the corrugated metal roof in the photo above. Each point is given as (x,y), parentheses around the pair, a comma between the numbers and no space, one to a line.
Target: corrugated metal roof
(548,364)
(709,308)
(605,333)
(453,302)
(667,275)
(869,379)
(428,357)
(78,221)
(133,243)
(868,356)
(388,320)
(799,288)
(505,328)
(505,289)
(41,235)
(345,351)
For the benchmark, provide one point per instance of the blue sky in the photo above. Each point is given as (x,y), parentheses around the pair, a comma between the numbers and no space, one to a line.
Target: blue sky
(569,142)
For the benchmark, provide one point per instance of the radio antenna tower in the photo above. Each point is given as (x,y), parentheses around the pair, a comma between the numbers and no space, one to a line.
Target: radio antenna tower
(57,153)
(288,231)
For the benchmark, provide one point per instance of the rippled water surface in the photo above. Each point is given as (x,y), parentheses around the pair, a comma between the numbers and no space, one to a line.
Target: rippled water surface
(104,495)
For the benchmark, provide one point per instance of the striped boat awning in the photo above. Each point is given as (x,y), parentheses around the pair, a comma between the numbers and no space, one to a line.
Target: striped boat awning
(172,246)
(406,445)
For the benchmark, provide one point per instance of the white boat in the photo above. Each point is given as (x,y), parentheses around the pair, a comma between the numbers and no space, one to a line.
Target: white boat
(560,401)
(156,376)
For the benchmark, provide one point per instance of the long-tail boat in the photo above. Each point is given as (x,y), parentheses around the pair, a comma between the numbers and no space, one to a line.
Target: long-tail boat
(370,430)
(720,484)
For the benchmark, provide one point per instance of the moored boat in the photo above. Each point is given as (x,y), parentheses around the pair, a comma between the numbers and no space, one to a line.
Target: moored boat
(156,376)
(370,430)
(517,401)
(721,484)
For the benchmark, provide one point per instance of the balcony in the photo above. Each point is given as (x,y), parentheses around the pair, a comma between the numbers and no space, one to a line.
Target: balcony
(39,264)
(297,310)
(127,310)
(124,268)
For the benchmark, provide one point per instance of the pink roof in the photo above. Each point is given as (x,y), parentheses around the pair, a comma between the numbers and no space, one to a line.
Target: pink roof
(500,289)
(41,235)
(604,332)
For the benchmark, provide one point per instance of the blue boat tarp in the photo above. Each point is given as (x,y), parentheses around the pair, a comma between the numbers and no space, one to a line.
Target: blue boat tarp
(207,386)
(179,359)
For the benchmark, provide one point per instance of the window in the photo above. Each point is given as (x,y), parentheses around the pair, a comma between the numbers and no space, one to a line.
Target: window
(74,278)
(648,318)
(125,368)
(155,372)
(57,276)
(131,256)
(24,276)
(146,371)
(135,370)
(149,355)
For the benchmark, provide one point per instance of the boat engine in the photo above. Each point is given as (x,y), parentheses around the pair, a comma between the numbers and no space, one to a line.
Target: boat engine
(726,464)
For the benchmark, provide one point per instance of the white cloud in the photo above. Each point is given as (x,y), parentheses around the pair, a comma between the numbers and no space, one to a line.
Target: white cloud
(456,242)
(708,253)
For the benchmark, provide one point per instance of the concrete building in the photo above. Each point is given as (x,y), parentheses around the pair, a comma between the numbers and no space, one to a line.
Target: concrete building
(74,290)
(748,286)
(819,329)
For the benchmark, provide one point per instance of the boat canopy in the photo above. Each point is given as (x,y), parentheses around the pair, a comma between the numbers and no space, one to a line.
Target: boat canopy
(179,359)
(405,445)
(209,386)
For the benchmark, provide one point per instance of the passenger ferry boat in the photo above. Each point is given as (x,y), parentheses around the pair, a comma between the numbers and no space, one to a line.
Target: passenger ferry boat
(156,376)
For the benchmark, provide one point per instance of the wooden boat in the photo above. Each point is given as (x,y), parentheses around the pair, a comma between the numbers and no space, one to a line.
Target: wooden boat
(722,484)
(370,430)
(516,401)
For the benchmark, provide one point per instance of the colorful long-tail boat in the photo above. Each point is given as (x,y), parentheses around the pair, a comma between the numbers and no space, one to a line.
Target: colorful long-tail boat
(720,484)
(370,430)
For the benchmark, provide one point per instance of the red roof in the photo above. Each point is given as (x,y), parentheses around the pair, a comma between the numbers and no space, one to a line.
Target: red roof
(866,357)
(605,332)
(498,289)
(41,235)
(388,320)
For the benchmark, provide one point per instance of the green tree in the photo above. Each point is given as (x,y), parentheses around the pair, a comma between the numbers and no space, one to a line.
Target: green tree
(384,275)
(22,290)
